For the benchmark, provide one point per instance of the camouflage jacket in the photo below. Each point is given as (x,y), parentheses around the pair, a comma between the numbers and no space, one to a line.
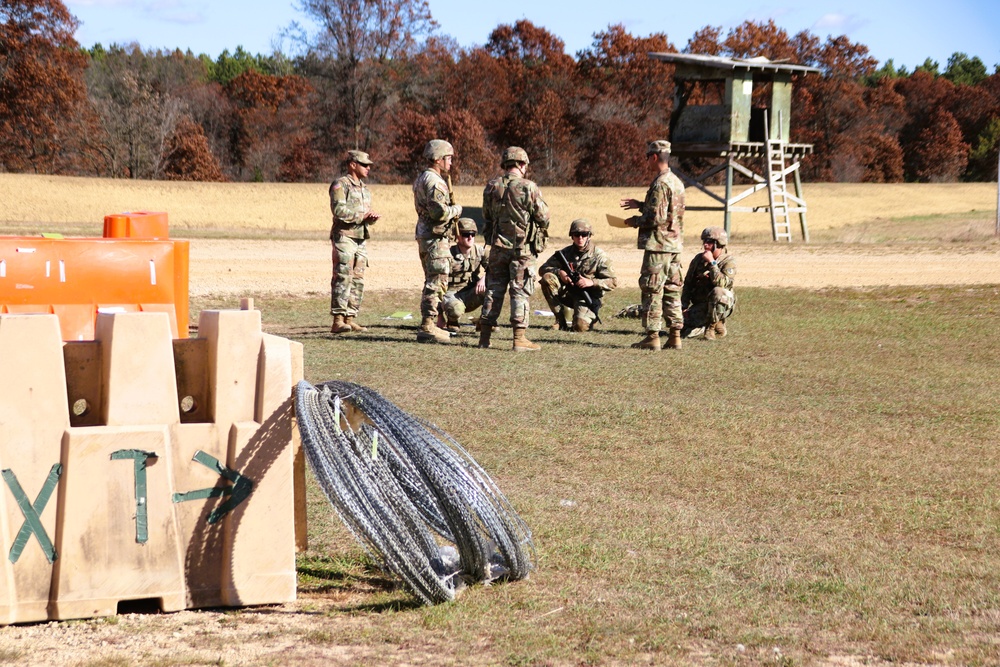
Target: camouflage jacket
(435,212)
(702,277)
(516,215)
(661,223)
(465,269)
(592,263)
(350,202)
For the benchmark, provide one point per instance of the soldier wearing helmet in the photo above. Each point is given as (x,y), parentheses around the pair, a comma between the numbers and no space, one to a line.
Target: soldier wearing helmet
(661,225)
(436,217)
(575,283)
(517,222)
(707,297)
(351,203)
(467,278)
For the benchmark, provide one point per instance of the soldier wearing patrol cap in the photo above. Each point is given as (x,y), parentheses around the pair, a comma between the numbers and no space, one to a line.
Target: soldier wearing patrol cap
(575,282)
(436,216)
(351,203)
(707,297)
(517,223)
(467,278)
(661,227)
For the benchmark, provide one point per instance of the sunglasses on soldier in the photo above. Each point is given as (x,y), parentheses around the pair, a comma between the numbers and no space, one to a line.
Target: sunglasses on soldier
(582,235)
(468,235)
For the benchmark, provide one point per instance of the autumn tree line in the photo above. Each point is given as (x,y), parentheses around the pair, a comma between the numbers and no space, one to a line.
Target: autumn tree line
(377,76)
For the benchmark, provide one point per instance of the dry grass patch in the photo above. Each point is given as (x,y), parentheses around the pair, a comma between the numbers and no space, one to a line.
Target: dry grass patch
(824,481)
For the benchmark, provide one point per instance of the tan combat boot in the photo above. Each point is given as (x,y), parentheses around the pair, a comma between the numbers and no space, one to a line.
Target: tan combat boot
(650,342)
(484,336)
(349,321)
(453,326)
(674,343)
(430,333)
(710,332)
(521,342)
(339,325)
(580,324)
(720,329)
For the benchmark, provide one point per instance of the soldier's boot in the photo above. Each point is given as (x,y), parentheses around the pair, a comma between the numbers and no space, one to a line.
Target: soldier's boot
(720,329)
(674,342)
(453,326)
(349,321)
(484,335)
(580,324)
(710,331)
(339,325)
(521,342)
(430,333)
(650,342)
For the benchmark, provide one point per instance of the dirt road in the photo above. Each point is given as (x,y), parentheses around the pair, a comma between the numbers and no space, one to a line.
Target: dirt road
(249,267)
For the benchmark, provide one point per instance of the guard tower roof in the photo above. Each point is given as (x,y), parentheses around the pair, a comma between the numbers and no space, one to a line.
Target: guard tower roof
(759,64)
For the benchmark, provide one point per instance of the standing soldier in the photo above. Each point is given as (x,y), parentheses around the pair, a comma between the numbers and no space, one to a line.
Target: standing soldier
(517,222)
(575,279)
(661,226)
(436,215)
(708,297)
(351,203)
(467,279)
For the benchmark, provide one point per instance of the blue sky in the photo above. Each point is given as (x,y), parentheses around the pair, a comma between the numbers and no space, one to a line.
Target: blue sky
(908,32)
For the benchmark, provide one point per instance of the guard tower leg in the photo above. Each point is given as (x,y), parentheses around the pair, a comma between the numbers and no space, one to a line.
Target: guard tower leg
(797,179)
(727,217)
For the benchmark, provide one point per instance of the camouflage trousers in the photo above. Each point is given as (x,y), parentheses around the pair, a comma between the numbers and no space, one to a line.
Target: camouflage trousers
(716,308)
(509,271)
(347,287)
(661,281)
(435,257)
(458,303)
(565,305)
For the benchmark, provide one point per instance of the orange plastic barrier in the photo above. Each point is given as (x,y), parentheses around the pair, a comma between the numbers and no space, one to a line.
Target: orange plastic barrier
(134,269)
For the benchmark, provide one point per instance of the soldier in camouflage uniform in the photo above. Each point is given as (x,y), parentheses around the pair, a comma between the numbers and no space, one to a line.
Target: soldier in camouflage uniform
(661,227)
(517,222)
(436,216)
(351,203)
(597,277)
(467,279)
(708,297)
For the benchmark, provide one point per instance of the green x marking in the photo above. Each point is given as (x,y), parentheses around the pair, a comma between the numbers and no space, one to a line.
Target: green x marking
(32,514)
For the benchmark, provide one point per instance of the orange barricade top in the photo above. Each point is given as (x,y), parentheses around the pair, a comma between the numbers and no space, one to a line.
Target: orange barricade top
(136,268)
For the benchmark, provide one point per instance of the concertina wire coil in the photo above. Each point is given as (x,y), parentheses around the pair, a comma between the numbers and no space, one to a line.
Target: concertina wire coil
(403,486)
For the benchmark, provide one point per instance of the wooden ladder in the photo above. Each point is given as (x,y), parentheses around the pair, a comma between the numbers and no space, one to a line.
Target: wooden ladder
(777,191)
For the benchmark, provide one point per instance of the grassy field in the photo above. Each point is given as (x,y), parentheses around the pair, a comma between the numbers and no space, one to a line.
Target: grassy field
(821,486)
(78,206)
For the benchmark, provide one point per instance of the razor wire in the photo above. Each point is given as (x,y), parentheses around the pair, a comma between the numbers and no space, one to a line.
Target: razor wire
(402,486)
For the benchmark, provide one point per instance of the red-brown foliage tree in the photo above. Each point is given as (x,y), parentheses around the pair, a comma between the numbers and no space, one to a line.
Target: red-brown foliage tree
(540,75)
(188,157)
(268,122)
(939,154)
(43,98)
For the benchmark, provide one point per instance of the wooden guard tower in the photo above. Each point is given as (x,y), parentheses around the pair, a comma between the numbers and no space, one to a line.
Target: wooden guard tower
(736,131)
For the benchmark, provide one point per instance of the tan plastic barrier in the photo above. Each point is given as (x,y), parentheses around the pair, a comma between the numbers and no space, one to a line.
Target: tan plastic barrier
(142,467)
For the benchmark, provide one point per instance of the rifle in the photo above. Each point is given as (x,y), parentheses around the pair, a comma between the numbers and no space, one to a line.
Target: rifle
(453,231)
(593,302)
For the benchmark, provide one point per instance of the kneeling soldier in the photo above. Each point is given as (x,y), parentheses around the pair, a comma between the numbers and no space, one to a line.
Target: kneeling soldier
(467,279)
(575,279)
(707,297)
